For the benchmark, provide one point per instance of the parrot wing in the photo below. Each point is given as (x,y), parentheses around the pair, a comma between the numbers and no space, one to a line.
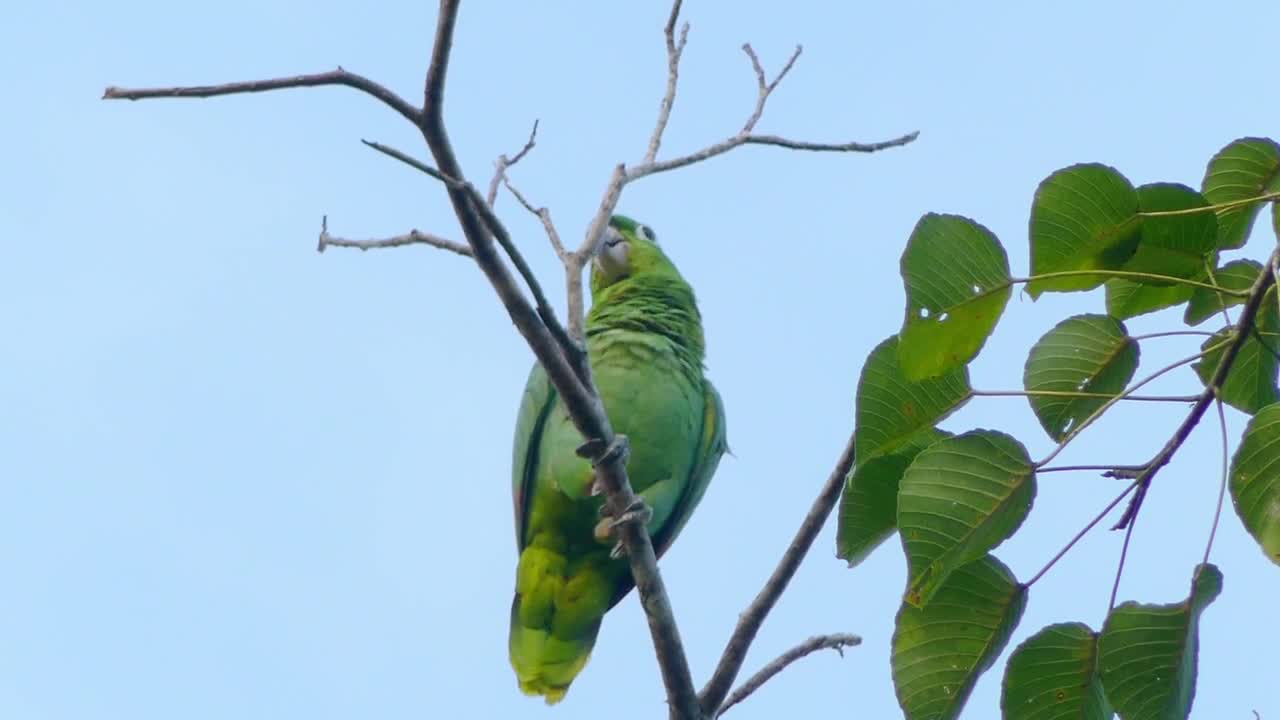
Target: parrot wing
(535,407)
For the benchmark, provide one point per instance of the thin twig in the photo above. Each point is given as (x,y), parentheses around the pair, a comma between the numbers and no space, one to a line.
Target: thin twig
(1222,486)
(333,77)
(735,651)
(542,213)
(1083,531)
(413,237)
(1124,554)
(606,451)
(675,48)
(503,163)
(837,642)
(1243,327)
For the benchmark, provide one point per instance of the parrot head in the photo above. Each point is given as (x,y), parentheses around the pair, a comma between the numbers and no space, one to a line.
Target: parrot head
(628,248)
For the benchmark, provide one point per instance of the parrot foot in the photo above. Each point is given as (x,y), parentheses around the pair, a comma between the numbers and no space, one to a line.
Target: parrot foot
(607,529)
(599,453)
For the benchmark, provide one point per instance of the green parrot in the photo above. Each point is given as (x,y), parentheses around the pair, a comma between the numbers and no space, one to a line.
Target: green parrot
(645,344)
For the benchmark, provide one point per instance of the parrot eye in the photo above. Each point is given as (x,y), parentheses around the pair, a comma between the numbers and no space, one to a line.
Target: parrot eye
(647,233)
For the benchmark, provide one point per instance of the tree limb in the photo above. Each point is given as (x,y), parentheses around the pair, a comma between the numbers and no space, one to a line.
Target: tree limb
(735,651)
(837,642)
(503,162)
(606,451)
(333,77)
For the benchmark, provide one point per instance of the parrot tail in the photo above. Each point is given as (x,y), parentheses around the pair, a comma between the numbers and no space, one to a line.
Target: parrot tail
(555,617)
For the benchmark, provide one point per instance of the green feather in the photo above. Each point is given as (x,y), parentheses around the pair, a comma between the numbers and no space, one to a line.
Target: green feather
(645,345)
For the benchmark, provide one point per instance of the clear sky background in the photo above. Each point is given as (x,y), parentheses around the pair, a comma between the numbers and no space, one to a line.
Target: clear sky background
(240,479)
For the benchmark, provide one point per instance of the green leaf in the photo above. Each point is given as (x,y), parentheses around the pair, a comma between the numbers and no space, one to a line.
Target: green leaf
(891,409)
(1082,354)
(1255,480)
(1083,217)
(1053,675)
(869,505)
(1246,168)
(940,651)
(1147,653)
(1235,275)
(959,498)
(1251,382)
(1175,245)
(1127,298)
(957,281)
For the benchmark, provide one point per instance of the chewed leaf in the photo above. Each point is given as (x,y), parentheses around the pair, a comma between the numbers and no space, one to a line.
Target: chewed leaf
(957,281)
(1089,355)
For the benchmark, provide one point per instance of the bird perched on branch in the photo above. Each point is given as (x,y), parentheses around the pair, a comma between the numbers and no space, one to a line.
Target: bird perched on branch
(645,345)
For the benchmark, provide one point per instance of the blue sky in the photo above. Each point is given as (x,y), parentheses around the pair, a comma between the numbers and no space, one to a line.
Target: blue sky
(242,479)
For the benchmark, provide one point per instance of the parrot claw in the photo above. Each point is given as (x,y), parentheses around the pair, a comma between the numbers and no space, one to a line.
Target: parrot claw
(637,511)
(607,528)
(601,454)
(617,551)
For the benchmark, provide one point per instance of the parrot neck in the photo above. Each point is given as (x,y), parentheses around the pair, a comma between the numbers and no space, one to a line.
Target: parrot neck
(652,305)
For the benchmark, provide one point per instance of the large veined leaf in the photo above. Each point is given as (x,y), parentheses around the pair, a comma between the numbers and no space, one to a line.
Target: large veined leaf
(1235,275)
(891,409)
(940,651)
(869,505)
(1127,298)
(1255,480)
(1251,381)
(959,498)
(1053,675)
(1174,245)
(1246,168)
(1082,354)
(1147,653)
(1083,217)
(957,281)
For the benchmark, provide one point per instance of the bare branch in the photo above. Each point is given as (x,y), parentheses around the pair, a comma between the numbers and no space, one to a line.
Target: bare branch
(605,450)
(1244,326)
(334,77)
(503,162)
(764,88)
(409,160)
(413,237)
(836,642)
(675,48)
(735,651)
(543,214)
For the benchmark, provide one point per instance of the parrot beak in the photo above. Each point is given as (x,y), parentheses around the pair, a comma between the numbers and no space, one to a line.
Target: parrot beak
(613,261)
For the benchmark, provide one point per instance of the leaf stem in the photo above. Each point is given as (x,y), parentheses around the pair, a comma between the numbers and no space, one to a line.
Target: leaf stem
(1082,394)
(1212,208)
(1130,276)
(1172,333)
(1222,486)
(1083,531)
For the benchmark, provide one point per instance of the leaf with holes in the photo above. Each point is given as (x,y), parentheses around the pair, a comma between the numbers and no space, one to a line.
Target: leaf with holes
(1235,275)
(957,281)
(1076,368)
(891,409)
(1053,675)
(1083,217)
(1173,245)
(1255,480)
(1247,168)
(1147,653)
(960,497)
(940,651)
(1251,381)
(869,505)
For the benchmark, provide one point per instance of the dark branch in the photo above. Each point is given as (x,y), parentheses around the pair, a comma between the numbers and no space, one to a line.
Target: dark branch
(1243,329)
(735,651)
(578,395)
(410,160)
(334,77)
(836,642)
